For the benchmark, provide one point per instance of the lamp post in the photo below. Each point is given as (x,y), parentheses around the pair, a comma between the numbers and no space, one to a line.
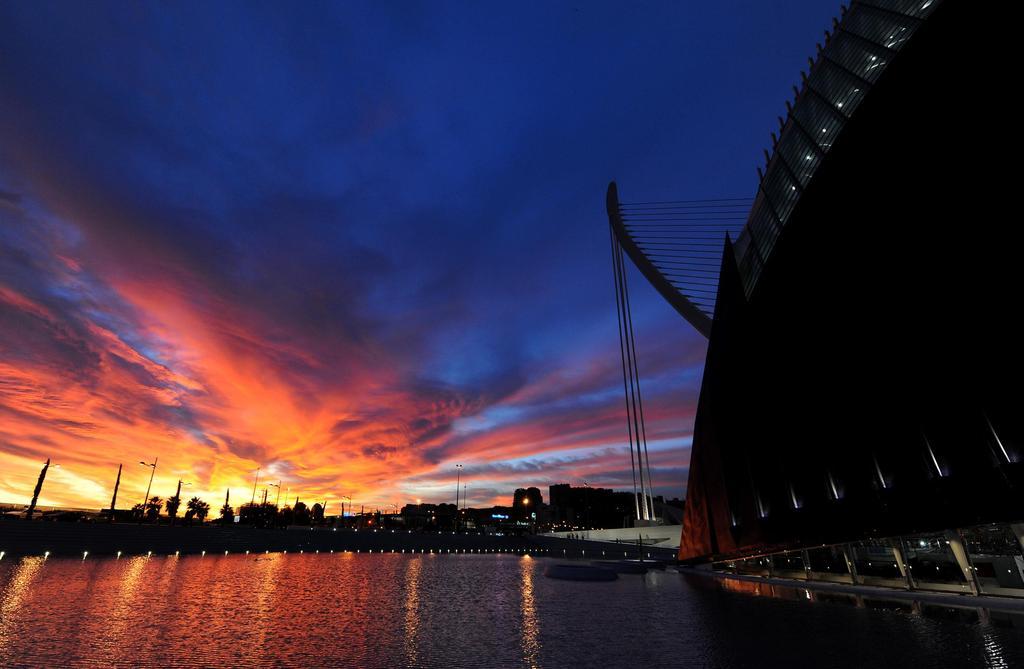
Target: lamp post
(252,502)
(152,466)
(589,503)
(177,497)
(39,486)
(278,486)
(458,478)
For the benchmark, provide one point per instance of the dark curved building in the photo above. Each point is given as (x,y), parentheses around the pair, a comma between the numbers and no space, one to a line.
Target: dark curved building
(861,415)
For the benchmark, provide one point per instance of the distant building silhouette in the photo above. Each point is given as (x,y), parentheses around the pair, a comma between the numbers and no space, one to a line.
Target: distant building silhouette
(526,501)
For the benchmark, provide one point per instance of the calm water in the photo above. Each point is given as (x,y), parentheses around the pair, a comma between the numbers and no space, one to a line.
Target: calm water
(443,611)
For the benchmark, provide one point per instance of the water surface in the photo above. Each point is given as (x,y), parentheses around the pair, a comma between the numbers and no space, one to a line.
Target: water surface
(359,610)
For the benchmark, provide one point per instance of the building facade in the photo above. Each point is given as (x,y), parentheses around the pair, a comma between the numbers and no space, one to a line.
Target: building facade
(860,412)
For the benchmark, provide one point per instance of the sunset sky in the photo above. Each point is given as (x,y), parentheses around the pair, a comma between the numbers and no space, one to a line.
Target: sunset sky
(352,244)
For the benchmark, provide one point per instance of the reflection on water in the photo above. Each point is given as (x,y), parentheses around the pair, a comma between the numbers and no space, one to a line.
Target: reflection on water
(531,630)
(262,612)
(12,598)
(412,613)
(348,610)
(123,618)
(980,626)
(994,652)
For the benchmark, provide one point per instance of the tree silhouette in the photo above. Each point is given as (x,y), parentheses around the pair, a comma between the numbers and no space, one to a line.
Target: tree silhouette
(286,516)
(227,514)
(153,508)
(301,514)
(197,508)
(171,507)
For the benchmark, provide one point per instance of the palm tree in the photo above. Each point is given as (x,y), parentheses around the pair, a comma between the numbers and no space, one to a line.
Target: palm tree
(202,510)
(197,508)
(153,508)
(227,514)
(171,506)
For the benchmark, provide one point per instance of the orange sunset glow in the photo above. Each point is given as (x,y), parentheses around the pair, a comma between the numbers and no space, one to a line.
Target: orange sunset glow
(330,291)
(117,351)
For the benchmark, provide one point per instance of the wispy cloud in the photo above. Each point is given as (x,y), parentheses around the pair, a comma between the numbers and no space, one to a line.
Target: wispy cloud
(353,248)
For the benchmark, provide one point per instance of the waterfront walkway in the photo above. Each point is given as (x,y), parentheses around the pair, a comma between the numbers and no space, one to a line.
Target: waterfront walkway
(23,538)
(1010,604)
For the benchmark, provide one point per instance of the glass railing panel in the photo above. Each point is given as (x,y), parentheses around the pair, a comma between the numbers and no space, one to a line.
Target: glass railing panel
(789,564)
(931,560)
(875,560)
(995,554)
(827,560)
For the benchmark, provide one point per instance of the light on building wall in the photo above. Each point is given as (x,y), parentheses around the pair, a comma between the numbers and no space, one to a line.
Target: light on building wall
(762,510)
(792,497)
(878,471)
(999,442)
(836,494)
(941,472)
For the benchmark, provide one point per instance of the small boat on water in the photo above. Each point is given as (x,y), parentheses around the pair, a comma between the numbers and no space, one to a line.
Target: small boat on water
(580,572)
(622,566)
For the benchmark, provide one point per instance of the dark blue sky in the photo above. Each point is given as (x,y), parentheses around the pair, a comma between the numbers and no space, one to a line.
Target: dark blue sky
(355,243)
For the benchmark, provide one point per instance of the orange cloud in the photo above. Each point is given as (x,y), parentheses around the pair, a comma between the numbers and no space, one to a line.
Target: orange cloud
(114,352)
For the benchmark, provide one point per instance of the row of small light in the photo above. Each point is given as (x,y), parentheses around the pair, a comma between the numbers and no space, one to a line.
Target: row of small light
(525,551)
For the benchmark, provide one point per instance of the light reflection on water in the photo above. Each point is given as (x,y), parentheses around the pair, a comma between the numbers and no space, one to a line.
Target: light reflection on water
(531,633)
(347,610)
(11,603)
(123,618)
(412,612)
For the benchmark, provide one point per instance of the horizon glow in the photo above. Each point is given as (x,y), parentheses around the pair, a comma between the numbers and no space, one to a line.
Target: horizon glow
(353,248)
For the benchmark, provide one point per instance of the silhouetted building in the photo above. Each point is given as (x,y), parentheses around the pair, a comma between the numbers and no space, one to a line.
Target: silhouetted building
(428,516)
(862,379)
(590,507)
(526,503)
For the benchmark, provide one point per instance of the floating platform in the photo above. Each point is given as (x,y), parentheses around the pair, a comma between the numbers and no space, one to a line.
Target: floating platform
(580,572)
(658,565)
(622,566)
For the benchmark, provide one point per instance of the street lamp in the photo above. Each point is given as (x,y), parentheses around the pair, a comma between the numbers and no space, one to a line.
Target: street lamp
(458,478)
(278,486)
(152,466)
(589,505)
(252,502)
(177,496)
